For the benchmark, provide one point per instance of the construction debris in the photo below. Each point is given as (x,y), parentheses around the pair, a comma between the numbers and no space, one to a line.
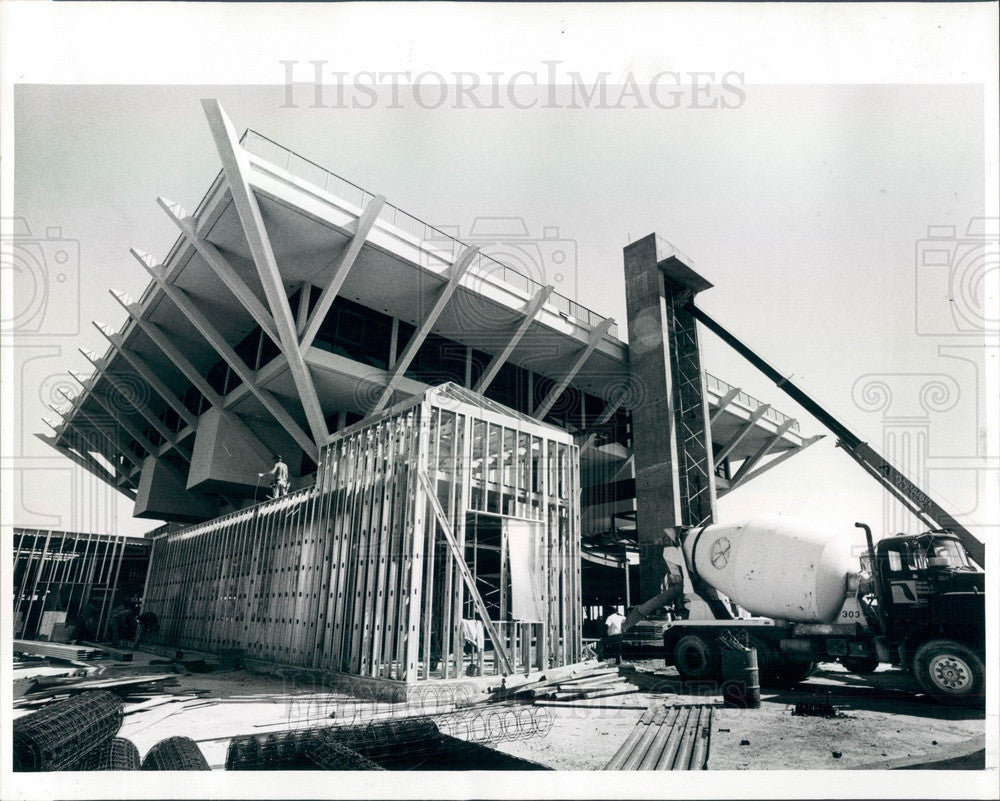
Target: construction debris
(63,733)
(73,685)
(115,653)
(667,738)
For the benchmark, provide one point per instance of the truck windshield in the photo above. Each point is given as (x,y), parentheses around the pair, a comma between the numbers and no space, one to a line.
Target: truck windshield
(947,553)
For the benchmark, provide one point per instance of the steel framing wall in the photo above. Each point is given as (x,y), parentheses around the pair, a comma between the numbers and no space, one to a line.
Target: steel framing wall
(63,572)
(376,570)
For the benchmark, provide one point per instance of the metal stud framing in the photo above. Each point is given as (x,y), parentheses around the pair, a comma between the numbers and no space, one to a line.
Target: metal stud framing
(359,574)
(61,571)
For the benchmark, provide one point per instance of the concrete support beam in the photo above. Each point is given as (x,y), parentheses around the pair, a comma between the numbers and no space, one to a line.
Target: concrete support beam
(613,405)
(458,269)
(596,335)
(172,352)
(89,464)
(115,415)
(745,429)
(235,165)
(337,273)
(751,462)
(302,312)
(100,365)
(772,463)
(71,430)
(217,341)
(500,359)
(149,375)
(724,401)
(106,430)
(222,268)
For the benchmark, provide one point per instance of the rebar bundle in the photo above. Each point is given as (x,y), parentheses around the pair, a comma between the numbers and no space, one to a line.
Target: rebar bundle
(65,732)
(175,753)
(115,754)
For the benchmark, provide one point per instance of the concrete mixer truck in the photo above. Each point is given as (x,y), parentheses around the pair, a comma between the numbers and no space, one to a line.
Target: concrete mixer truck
(800,593)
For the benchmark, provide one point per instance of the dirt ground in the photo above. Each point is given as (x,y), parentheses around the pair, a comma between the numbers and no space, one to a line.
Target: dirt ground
(881,718)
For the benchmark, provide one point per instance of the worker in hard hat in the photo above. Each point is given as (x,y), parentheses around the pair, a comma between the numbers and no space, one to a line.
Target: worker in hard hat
(279,478)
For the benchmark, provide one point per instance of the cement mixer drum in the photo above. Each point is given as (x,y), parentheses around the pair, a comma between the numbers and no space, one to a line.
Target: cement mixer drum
(776,566)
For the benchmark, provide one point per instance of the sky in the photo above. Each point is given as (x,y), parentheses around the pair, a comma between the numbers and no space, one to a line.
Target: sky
(805,206)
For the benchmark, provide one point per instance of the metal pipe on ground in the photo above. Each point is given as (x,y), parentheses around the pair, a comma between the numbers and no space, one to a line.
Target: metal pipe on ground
(666,738)
(652,757)
(669,753)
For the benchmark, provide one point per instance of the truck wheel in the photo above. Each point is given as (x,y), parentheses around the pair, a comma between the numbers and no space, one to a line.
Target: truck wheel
(695,658)
(950,672)
(860,664)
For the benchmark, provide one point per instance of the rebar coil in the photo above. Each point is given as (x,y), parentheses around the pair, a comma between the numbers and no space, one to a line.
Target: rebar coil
(495,726)
(115,754)
(175,753)
(65,732)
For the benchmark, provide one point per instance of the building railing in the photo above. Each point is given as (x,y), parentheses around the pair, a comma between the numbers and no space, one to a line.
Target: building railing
(429,236)
(748,401)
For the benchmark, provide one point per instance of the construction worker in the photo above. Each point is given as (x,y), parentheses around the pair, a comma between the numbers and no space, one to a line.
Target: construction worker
(613,641)
(279,478)
(147,623)
(122,623)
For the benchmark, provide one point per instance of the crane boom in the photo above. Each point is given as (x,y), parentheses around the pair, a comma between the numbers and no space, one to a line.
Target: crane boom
(877,466)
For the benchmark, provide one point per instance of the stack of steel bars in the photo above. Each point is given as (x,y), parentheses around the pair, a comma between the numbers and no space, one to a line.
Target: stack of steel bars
(667,738)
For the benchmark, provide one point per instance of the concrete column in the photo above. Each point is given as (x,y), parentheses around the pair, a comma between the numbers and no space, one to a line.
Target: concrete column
(671,439)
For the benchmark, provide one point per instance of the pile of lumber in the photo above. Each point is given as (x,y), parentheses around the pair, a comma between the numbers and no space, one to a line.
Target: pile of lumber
(599,682)
(56,650)
(49,690)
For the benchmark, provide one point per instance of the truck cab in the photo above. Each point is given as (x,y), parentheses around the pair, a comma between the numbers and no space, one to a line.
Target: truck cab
(930,600)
